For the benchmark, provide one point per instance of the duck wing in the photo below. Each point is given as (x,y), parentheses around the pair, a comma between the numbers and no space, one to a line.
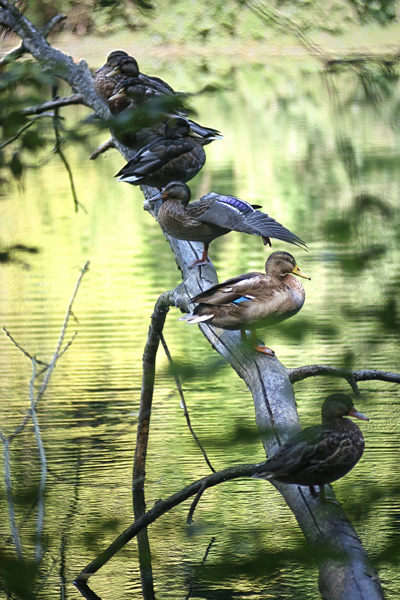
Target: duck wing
(302,454)
(238,215)
(153,157)
(157,85)
(207,133)
(232,290)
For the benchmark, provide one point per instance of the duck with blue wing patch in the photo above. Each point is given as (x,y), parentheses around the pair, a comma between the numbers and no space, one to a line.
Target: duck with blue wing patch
(253,300)
(212,216)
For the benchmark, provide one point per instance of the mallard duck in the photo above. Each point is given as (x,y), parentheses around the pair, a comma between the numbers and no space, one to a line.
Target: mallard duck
(212,216)
(253,300)
(139,95)
(319,454)
(127,67)
(177,155)
(105,85)
(153,118)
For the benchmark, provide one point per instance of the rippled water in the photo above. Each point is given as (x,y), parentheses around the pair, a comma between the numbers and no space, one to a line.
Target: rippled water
(322,159)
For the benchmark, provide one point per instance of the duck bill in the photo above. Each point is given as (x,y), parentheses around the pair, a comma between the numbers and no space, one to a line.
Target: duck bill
(117,95)
(115,71)
(357,415)
(297,271)
(159,196)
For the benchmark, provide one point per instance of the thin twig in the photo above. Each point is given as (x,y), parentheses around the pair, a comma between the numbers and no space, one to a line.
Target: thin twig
(17,345)
(195,502)
(57,150)
(52,104)
(203,560)
(58,351)
(107,145)
(24,128)
(185,409)
(31,413)
(10,500)
(43,467)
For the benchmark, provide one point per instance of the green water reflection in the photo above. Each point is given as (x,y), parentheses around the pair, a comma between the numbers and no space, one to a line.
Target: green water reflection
(320,157)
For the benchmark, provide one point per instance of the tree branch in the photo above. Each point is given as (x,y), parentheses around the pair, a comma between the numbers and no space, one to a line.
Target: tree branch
(301,373)
(142,437)
(52,104)
(159,509)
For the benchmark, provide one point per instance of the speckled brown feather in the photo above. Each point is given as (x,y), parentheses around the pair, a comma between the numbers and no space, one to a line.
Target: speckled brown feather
(319,454)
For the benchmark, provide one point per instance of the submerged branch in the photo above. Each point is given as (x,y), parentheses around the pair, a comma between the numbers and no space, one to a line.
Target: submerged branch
(158,317)
(31,414)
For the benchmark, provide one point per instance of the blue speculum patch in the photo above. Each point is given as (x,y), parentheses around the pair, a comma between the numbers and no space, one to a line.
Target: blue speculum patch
(243,207)
(241,299)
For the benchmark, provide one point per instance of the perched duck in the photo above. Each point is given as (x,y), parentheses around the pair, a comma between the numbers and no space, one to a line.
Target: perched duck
(319,454)
(127,66)
(253,300)
(177,155)
(105,85)
(139,95)
(212,216)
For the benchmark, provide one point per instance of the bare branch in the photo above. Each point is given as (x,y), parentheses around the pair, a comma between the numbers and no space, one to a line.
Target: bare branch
(43,467)
(207,552)
(195,502)
(107,145)
(9,497)
(13,340)
(158,317)
(22,129)
(51,104)
(52,23)
(301,373)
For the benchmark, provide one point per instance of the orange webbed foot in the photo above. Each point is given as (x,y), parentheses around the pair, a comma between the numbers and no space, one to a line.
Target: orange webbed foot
(200,262)
(264,350)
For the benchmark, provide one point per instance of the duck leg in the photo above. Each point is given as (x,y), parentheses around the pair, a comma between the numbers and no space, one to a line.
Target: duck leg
(201,261)
(260,347)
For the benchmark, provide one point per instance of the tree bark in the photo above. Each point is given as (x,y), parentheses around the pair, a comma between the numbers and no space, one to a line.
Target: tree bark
(345,571)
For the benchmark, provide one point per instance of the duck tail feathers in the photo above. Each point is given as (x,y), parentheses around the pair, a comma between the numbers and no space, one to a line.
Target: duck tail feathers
(191,318)
(260,472)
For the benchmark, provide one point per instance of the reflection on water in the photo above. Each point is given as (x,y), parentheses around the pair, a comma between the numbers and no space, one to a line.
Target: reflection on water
(324,161)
